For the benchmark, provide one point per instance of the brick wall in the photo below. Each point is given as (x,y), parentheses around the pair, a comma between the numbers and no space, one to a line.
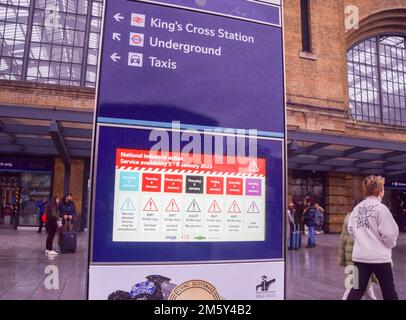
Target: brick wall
(323,81)
(76,180)
(59,176)
(41,95)
(338,200)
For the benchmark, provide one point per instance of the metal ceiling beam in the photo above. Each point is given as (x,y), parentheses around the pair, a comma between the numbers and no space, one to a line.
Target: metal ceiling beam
(84,145)
(40,150)
(27,150)
(317,168)
(360,155)
(43,131)
(373,171)
(316,146)
(319,137)
(394,154)
(329,161)
(11,136)
(47,142)
(60,145)
(396,173)
(46,113)
(353,170)
(35,142)
(352,151)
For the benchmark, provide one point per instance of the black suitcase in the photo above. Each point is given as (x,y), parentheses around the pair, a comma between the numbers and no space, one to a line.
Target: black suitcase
(68,241)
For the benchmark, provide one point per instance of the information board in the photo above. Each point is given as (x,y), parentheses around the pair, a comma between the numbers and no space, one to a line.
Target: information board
(168,197)
(162,63)
(204,81)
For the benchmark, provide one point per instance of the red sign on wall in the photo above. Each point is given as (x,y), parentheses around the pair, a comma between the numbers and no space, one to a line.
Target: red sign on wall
(151,182)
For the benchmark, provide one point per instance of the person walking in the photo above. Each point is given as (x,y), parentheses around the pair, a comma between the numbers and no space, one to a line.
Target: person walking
(345,250)
(68,211)
(41,205)
(52,213)
(375,233)
(309,219)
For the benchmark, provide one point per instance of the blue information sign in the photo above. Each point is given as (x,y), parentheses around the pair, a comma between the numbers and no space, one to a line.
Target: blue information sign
(189,151)
(161,63)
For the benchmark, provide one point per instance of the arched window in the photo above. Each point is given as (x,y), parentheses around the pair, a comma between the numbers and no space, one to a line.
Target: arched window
(377,80)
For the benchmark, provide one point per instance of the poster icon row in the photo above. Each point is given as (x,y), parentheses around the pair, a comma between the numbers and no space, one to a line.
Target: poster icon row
(212,205)
(192,184)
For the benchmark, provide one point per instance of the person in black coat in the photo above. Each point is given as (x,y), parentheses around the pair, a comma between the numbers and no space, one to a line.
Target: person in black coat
(52,213)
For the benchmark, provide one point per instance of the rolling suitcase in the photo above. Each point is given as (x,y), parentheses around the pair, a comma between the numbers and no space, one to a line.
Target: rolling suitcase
(68,241)
(296,242)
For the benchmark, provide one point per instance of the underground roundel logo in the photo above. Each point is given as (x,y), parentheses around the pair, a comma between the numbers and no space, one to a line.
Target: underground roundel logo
(136,39)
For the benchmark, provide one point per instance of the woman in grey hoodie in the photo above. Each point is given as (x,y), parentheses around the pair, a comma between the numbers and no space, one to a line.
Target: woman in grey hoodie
(375,233)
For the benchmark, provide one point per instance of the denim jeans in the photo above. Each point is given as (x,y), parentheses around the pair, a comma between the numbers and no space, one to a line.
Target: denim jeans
(312,238)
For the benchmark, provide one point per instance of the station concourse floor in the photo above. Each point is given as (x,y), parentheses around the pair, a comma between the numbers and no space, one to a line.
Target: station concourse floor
(311,273)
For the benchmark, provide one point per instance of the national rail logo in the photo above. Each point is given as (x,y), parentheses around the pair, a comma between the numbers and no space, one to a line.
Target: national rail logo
(138,20)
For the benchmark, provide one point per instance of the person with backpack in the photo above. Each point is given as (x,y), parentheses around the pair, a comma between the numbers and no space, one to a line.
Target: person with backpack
(375,233)
(52,215)
(309,220)
(41,205)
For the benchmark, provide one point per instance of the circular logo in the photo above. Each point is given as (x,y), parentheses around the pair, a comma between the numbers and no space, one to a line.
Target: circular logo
(195,290)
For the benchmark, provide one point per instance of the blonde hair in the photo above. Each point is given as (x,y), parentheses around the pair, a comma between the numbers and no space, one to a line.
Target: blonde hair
(373,185)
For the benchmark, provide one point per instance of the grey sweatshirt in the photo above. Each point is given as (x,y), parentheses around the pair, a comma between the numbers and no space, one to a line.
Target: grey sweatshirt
(374,231)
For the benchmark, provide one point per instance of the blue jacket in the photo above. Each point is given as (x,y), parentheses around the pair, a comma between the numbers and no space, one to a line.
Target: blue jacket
(42,207)
(67,208)
(309,218)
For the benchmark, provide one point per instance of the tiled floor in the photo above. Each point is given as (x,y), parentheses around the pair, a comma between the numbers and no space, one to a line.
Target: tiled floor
(315,273)
(311,273)
(23,262)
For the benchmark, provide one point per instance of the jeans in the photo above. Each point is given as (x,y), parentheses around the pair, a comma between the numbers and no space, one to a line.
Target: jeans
(312,238)
(51,233)
(383,272)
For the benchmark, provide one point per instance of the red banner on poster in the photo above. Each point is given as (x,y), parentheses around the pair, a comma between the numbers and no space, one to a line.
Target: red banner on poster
(134,159)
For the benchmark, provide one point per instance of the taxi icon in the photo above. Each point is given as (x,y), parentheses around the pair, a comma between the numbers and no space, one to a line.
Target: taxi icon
(135,59)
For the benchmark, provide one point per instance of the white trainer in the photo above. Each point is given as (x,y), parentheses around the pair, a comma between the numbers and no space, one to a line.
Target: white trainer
(52,253)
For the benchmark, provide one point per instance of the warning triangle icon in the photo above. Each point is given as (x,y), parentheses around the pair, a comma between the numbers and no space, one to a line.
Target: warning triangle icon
(214,208)
(128,205)
(253,167)
(253,208)
(194,207)
(150,206)
(234,208)
(172,206)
